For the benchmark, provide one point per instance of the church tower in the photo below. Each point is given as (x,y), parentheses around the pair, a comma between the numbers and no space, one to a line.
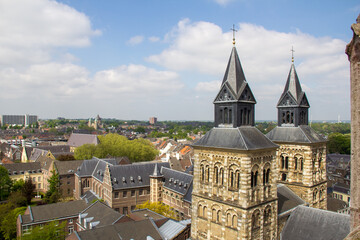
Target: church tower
(234,195)
(301,157)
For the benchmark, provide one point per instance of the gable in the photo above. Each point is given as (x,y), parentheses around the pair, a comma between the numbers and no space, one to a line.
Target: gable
(225,94)
(287,100)
(304,102)
(247,95)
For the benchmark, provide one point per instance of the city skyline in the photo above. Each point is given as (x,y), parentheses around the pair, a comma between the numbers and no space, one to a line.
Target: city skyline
(135,59)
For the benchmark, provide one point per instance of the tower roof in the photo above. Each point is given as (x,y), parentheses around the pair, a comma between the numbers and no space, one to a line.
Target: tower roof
(293,91)
(156,172)
(235,81)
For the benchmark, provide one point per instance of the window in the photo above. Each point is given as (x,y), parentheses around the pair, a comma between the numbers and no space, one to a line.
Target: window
(132,193)
(141,192)
(124,193)
(39,179)
(116,195)
(68,191)
(68,182)
(133,208)
(34,179)
(125,210)
(71,229)
(39,185)
(117,209)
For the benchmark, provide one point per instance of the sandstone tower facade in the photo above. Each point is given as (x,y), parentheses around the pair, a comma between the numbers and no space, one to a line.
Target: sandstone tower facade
(301,157)
(235,174)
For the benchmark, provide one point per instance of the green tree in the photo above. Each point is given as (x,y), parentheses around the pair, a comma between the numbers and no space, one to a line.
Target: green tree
(160,208)
(8,224)
(53,195)
(86,151)
(339,143)
(140,129)
(50,231)
(5,183)
(17,185)
(18,199)
(28,190)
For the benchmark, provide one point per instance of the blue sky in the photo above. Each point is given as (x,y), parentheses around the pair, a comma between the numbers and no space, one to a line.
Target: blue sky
(136,59)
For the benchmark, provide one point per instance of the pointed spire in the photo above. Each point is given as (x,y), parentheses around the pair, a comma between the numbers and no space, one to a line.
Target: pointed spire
(293,85)
(234,74)
(156,172)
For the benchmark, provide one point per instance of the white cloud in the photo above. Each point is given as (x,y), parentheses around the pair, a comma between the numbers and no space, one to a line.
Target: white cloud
(212,86)
(154,39)
(135,40)
(30,29)
(136,80)
(265,55)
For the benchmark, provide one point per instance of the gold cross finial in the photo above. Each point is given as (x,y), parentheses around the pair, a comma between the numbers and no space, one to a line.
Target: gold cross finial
(292,53)
(234,30)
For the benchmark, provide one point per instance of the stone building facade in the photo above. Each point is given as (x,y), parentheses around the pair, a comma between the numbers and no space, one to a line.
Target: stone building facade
(234,195)
(301,157)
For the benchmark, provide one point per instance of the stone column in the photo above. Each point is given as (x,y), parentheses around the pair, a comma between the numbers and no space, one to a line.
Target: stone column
(353,52)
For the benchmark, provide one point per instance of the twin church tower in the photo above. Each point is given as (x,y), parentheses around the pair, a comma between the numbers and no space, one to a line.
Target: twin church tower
(237,169)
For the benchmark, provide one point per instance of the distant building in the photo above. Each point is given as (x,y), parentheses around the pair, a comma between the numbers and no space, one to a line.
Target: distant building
(153,120)
(25,120)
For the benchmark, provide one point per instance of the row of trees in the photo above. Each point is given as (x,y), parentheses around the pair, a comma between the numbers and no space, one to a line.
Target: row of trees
(118,146)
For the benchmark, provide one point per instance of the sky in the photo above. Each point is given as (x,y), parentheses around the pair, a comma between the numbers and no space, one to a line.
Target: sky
(133,59)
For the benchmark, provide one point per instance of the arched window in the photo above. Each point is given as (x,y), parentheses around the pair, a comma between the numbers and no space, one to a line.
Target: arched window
(221,116)
(208,174)
(226,115)
(214,215)
(286,162)
(301,164)
(267,175)
(287,117)
(202,172)
(295,162)
(254,176)
(230,116)
(267,215)
(205,211)
(228,219)
(218,216)
(292,118)
(238,179)
(255,220)
(222,176)
(200,211)
(282,161)
(234,221)
(283,177)
(231,178)
(216,174)
(283,117)
(264,176)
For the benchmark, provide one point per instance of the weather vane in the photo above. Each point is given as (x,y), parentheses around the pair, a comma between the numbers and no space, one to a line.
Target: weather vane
(292,53)
(234,30)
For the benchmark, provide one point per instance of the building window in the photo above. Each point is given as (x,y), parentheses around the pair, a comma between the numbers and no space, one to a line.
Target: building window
(132,193)
(116,195)
(70,221)
(117,209)
(39,185)
(125,210)
(124,193)
(140,192)
(34,179)
(71,229)
(68,182)
(39,179)
(133,208)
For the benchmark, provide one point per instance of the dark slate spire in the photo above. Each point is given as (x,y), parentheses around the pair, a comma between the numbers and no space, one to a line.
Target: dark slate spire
(293,104)
(235,102)
(156,172)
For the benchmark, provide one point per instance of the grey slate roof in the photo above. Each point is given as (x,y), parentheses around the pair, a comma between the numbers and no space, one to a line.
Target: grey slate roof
(99,214)
(89,196)
(94,167)
(79,139)
(20,168)
(315,224)
(177,181)
(241,138)
(56,148)
(137,230)
(300,134)
(134,175)
(36,153)
(287,199)
(53,211)
(67,167)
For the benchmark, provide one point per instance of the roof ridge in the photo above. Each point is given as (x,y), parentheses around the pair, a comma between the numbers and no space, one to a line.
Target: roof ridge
(304,133)
(242,137)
